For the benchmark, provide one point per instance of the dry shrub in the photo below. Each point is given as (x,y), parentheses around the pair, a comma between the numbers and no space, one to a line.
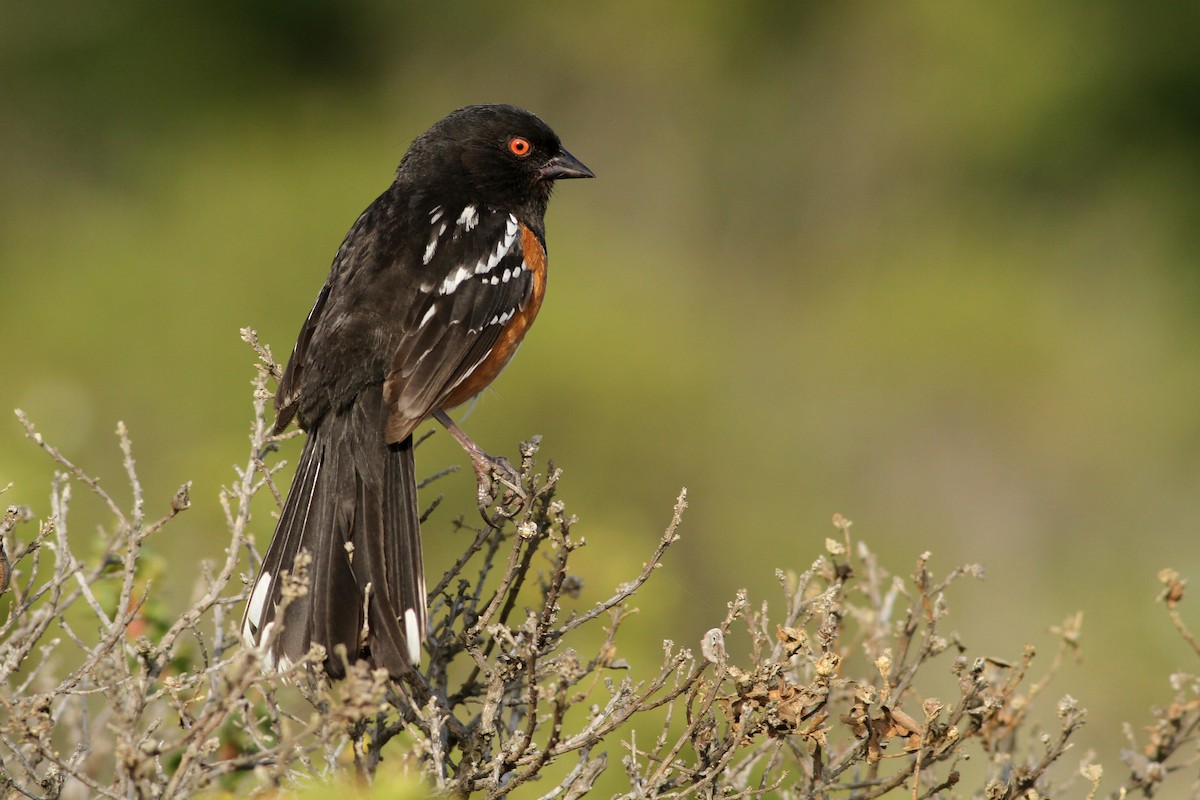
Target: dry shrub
(107,695)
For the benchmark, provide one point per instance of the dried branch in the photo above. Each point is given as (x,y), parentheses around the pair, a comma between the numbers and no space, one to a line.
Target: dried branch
(105,694)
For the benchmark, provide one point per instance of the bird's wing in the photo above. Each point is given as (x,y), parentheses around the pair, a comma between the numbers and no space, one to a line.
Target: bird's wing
(480,284)
(414,303)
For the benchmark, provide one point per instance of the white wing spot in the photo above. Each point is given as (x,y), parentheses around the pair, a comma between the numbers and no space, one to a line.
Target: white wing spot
(500,319)
(469,217)
(502,249)
(428,315)
(433,243)
(485,265)
(412,636)
(454,279)
(435,215)
(507,274)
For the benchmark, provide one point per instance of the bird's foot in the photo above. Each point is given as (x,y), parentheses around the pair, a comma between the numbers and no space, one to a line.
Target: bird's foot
(499,483)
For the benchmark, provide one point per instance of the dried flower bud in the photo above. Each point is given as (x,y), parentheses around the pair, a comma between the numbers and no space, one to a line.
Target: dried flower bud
(712,646)
(792,639)
(932,707)
(827,664)
(1173,586)
(884,662)
(182,499)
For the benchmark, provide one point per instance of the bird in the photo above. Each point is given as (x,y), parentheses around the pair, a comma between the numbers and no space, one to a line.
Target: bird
(428,298)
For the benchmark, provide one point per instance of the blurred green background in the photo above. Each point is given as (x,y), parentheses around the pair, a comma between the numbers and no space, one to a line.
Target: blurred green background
(932,265)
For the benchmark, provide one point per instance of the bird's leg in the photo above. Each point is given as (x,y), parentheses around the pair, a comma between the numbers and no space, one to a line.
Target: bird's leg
(485,466)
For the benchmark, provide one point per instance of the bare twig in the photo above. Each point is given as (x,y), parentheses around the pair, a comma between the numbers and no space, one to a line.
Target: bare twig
(106,695)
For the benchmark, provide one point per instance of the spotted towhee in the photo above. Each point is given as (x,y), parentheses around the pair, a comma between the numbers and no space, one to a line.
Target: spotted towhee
(429,297)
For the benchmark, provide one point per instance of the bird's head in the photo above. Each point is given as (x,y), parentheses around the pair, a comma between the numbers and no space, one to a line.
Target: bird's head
(500,155)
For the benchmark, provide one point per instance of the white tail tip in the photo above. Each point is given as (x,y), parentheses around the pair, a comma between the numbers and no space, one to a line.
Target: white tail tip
(412,636)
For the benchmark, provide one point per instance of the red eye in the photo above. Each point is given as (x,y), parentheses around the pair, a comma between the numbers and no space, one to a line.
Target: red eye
(519,147)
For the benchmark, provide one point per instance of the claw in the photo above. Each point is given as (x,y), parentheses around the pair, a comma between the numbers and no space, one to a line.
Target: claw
(489,471)
(498,472)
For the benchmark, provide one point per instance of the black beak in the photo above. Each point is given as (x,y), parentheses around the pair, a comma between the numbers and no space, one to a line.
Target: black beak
(565,165)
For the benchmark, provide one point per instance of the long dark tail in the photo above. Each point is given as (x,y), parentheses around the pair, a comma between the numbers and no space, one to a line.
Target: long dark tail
(353,508)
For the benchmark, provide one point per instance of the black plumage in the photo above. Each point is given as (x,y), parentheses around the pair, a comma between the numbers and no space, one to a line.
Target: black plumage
(431,290)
